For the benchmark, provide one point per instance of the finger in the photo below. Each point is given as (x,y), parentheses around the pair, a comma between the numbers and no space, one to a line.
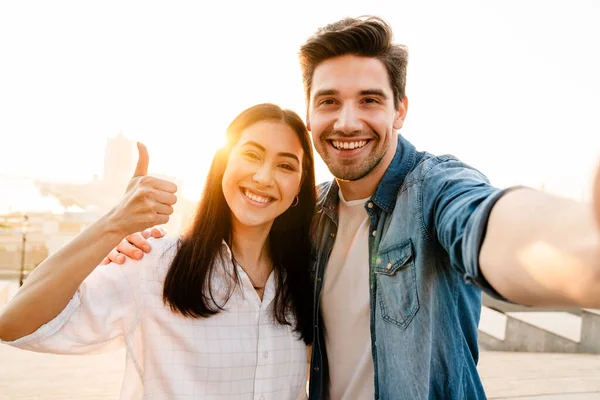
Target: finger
(161,219)
(163,209)
(165,198)
(146,234)
(130,250)
(157,232)
(105,261)
(141,169)
(164,185)
(137,240)
(115,256)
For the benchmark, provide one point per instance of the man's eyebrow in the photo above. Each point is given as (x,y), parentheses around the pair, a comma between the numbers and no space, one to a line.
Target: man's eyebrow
(283,154)
(373,92)
(366,92)
(326,92)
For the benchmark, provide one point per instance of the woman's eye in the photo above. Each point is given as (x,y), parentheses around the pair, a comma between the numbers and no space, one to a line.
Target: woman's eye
(288,167)
(251,156)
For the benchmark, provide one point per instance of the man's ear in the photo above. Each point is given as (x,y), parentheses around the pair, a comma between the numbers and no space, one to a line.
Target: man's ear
(307,122)
(401,113)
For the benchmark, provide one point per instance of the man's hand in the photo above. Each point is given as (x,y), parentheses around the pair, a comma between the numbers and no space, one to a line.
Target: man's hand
(133,246)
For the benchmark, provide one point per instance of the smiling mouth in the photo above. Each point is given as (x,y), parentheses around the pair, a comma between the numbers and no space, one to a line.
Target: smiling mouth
(256,197)
(344,145)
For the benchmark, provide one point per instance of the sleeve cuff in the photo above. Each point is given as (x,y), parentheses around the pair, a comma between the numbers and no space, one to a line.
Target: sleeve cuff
(49,328)
(474,241)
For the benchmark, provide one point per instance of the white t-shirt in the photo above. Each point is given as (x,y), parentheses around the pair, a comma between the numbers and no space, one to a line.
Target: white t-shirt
(345,306)
(239,353)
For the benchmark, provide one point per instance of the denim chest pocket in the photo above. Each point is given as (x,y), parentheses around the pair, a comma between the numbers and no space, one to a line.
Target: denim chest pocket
(397,284)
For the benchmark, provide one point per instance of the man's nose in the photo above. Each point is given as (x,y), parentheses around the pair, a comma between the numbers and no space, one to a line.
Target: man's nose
(348,120)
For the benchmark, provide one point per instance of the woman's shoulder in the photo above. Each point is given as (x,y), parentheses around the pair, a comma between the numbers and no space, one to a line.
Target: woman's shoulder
(161,254)
(162,250)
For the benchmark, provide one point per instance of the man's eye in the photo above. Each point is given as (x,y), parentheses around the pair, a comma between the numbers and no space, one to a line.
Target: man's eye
(371,100)
(326,102)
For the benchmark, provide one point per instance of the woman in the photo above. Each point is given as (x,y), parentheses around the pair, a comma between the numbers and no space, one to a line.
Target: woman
(222,312)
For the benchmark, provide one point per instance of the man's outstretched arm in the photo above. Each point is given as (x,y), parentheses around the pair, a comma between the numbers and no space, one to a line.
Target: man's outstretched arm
(541,249)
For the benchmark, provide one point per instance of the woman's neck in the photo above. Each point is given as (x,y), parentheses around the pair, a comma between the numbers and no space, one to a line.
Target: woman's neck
(250,247)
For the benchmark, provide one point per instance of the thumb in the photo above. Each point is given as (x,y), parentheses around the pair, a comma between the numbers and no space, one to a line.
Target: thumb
(141,168)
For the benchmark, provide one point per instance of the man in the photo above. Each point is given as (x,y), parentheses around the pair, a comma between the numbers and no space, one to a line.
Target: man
(404,241)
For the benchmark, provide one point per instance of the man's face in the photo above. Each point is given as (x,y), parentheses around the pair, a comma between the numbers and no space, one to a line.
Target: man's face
(352,116)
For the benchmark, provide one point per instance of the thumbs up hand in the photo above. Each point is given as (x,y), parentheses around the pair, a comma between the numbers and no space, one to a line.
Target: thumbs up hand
(147,201)
(141,169)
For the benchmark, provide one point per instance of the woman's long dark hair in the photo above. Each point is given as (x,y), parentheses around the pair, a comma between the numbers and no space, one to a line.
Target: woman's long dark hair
(187,289)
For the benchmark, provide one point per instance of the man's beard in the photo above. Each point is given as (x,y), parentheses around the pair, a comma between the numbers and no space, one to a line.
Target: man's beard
(354,171)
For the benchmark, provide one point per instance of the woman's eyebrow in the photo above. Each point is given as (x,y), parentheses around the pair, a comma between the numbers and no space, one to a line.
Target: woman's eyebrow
(283,154)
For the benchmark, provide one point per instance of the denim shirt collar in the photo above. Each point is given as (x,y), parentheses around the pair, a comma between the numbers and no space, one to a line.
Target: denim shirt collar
(330,204)
(387,191)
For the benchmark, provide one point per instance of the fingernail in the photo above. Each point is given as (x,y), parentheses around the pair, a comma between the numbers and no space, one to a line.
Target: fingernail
(120,259)
(138,254)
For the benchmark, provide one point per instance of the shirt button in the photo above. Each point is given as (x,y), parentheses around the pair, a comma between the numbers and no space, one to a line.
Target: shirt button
(319,279)
(316,368)
(266,354)
(261,398)
(374,233)
(332,234)
(389,266)
(370,205)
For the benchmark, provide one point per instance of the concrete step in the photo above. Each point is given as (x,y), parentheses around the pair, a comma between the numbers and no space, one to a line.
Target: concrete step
(493,323)
(540,331)
(590,331)
(565,325)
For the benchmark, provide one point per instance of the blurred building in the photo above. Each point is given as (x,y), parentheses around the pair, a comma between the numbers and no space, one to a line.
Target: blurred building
(119,160)
(82,204)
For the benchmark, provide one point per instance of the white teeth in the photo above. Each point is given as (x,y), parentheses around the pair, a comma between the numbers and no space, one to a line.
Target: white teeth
(255,197)
(348,145)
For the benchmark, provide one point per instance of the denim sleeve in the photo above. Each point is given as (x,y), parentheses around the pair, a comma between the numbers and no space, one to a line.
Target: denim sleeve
(457,202)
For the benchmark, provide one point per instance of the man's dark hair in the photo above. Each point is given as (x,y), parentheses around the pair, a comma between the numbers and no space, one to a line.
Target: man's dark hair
(366,37)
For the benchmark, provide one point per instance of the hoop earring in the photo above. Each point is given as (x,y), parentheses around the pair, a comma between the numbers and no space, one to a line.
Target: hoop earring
(295,202)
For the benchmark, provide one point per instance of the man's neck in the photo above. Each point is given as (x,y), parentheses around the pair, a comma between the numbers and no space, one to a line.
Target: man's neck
(366,186)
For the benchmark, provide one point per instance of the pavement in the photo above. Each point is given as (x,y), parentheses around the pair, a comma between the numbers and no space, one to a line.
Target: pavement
(527,376)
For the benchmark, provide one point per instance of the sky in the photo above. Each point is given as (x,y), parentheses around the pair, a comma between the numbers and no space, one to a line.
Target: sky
(510,87)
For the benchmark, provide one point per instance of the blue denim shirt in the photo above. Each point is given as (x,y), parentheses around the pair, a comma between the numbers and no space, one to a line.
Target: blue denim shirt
(428,218)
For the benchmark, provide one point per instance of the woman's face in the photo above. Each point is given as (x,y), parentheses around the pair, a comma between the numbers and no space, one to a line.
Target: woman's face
(263,173)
